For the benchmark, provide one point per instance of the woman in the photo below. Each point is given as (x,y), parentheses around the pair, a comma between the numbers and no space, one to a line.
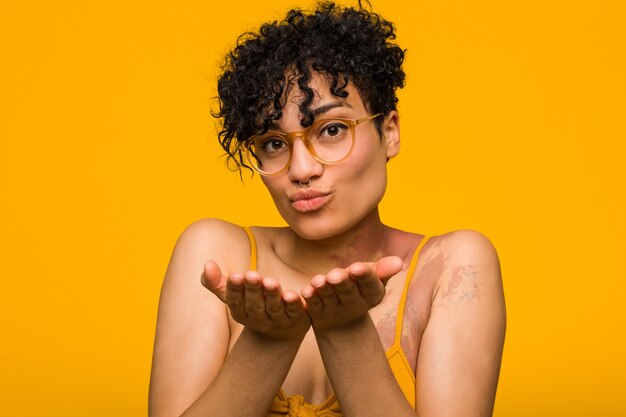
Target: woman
(336,314)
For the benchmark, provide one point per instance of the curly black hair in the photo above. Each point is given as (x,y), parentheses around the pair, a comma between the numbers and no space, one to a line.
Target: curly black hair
(344,44)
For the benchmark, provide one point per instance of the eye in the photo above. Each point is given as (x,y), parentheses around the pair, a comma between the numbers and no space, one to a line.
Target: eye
(272,145)
(333,130)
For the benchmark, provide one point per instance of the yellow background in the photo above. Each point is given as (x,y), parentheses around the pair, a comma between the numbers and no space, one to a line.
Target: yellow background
(512,124)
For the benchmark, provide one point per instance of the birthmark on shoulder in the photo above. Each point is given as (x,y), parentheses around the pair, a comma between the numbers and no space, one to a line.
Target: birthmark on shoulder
(461,286)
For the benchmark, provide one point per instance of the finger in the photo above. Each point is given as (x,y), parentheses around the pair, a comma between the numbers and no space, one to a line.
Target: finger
(368,282)
(293,304)
(325,289)
(254,300)
(235,296)
(213,279)
(388,266)
(313,301)
(274,306)
(344,286)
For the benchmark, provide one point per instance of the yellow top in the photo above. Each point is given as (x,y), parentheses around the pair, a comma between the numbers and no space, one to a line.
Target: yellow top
(295,406)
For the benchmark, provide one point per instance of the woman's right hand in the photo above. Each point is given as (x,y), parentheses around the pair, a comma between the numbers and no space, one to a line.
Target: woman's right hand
(259,303)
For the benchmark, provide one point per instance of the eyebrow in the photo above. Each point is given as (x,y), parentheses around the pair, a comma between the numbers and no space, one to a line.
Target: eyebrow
(327,107)
(319,110)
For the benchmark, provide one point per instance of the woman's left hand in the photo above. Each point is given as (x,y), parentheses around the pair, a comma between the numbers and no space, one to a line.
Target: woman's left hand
(345,294)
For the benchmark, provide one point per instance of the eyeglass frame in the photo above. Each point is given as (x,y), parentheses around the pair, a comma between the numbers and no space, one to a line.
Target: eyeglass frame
(304,135)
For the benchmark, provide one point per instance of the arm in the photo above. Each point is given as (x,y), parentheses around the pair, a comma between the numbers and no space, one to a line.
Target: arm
(348,341)
(192,369)
(461,349)
(249,378)
(359,371)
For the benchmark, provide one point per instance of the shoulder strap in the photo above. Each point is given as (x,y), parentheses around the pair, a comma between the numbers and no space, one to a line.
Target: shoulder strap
(253,261)
(409,276)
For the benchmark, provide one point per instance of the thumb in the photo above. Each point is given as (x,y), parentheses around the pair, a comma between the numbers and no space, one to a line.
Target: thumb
(388,266)
(213,280)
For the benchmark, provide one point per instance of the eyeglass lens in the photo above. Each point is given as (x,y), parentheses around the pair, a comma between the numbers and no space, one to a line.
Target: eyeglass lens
(331,141)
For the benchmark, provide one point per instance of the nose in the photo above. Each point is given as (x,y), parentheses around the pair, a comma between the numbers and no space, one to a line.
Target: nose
(303,166)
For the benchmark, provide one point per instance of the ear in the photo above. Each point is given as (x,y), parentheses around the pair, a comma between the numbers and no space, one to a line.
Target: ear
(391,133)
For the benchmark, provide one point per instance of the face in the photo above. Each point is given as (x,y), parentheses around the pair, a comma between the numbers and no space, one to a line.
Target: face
(341,195)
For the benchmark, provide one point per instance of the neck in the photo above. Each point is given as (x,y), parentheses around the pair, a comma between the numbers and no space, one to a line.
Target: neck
(367,241)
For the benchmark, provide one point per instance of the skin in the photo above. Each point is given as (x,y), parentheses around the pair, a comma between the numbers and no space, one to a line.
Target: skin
(319,313)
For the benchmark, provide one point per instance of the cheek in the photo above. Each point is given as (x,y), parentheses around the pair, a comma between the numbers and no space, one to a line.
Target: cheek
(367,188)
(366,171)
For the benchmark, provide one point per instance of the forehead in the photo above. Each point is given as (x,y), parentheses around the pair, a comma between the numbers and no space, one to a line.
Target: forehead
(320,86)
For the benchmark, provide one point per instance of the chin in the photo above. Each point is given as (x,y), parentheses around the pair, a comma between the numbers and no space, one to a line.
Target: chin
(313,233)
(317,225)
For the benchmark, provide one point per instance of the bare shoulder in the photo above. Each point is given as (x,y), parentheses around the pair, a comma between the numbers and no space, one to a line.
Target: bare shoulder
(465,244)
(216,239)
(469,258)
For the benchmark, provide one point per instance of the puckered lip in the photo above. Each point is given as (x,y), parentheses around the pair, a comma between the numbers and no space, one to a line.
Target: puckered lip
(307,195)
(310,201)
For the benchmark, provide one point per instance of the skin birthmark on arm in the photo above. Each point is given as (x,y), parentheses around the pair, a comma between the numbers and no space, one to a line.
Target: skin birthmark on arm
(385,326)
(461,286)
(410,332)
(384,317)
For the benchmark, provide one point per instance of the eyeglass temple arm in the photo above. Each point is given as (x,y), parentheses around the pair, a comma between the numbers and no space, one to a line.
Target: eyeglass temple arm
(366,118)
